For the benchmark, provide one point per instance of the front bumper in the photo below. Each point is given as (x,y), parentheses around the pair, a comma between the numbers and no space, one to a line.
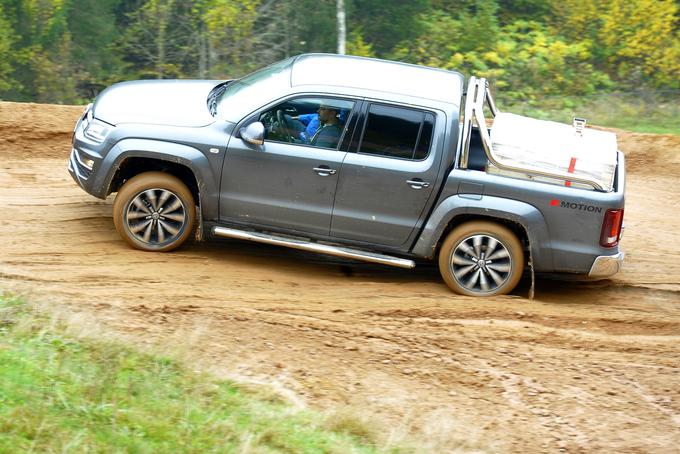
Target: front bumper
(606,265)
(86,158)
(78,170)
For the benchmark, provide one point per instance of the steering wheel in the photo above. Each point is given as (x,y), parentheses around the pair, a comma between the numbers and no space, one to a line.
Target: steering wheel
(273,130)
(284,126)
(281,127)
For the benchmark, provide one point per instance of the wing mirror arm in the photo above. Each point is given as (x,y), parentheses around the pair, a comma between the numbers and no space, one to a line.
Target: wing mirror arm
(253,133)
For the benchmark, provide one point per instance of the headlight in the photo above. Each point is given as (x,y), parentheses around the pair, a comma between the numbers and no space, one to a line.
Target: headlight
(97,130)
(84,120)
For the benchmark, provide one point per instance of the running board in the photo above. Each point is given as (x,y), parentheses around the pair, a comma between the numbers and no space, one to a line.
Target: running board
(314,247)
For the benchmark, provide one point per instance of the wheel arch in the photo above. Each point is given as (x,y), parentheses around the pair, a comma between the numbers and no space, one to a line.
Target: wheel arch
(134,165)
(523,219)
(131,157)
(515,227)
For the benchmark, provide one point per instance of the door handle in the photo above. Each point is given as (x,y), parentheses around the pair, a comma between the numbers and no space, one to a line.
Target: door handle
(417,183)
(324,171)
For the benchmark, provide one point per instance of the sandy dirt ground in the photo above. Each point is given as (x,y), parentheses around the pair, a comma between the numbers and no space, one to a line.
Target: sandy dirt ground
(584,367)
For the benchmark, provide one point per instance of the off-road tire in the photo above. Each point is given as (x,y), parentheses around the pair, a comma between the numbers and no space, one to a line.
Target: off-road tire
(460,254)
(138,205)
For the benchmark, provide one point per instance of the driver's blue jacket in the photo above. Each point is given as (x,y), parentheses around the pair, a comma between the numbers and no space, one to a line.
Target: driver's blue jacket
(312,122)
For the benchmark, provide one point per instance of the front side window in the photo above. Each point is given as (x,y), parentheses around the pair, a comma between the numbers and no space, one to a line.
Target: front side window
(397,132)
(317,122)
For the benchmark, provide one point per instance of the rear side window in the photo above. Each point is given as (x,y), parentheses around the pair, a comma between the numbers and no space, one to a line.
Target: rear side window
(397,132)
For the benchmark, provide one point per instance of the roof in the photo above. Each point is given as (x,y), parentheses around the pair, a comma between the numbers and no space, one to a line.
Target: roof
(377,75)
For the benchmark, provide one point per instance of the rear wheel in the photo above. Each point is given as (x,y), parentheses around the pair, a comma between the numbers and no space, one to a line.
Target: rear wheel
(154,211)
(481,258)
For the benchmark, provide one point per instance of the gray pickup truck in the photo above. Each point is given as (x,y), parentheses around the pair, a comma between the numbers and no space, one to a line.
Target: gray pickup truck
(359,158)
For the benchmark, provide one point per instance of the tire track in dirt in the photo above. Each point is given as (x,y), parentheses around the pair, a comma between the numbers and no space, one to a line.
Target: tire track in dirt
(584,367)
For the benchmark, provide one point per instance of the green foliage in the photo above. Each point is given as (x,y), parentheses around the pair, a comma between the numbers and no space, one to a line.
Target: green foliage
(635,41)
(523,60)
(640,111)
(6,41)
(529,62)
(60,394)
(65,51)
(157,43)
(523,9)
(641,36)
(229,25)
(385,23)
(95,30)
(357,46)
(314,26)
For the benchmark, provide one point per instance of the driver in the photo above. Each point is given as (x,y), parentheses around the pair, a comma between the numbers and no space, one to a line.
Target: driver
(311,123)
(330,130)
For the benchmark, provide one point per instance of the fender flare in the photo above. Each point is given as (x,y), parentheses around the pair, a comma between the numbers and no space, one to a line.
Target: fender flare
(160,150)
(528,216)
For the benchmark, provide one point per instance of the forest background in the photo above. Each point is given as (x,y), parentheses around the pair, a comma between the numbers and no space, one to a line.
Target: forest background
(615,60)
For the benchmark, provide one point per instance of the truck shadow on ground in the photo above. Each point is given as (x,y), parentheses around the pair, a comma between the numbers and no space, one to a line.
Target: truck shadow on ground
(546,289)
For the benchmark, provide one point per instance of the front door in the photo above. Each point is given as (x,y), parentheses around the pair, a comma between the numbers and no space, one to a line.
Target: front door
(290,181)
(386,184)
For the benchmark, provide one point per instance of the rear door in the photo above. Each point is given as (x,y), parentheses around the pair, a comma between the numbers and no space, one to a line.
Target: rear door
(388,178)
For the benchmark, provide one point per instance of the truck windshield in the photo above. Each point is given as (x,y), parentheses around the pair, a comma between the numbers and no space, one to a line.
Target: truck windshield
(252,91)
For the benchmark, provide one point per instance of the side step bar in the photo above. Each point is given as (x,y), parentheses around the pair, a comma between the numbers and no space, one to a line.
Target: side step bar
(314,247)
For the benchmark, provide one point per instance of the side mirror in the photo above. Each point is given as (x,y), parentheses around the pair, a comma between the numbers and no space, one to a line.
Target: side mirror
(253,133)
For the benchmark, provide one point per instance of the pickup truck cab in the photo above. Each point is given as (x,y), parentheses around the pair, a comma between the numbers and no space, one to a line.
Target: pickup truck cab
(359,158)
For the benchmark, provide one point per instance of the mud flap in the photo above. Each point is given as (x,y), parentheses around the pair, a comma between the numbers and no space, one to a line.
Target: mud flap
(533,277)
(199,229)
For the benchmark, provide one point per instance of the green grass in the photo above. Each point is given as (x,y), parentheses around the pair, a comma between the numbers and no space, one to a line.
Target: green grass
(655,113)
(62,394)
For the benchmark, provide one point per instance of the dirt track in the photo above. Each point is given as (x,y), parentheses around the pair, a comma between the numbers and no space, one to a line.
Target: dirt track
(583,367)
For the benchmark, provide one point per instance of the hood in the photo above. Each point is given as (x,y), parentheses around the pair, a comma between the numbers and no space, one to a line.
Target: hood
(158,102)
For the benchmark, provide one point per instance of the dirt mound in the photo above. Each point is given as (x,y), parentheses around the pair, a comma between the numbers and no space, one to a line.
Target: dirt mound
(584,367)
(23,125)
(649,153)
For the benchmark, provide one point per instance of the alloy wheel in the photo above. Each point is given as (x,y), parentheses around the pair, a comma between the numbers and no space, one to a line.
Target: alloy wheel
(480,263)
(156,217)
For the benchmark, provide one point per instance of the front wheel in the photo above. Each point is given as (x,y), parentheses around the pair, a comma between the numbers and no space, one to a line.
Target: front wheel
(481,258)
(154,211)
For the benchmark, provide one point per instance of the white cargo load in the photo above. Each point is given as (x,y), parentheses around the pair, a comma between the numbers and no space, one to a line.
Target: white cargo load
(547,146)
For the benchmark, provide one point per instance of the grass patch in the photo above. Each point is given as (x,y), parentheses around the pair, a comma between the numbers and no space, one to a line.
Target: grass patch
(649,112)
(61,394)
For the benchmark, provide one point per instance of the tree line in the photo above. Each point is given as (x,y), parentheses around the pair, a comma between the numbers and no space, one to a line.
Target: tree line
(66,51)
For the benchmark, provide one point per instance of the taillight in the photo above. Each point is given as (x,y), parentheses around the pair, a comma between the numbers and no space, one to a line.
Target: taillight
(611,228)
